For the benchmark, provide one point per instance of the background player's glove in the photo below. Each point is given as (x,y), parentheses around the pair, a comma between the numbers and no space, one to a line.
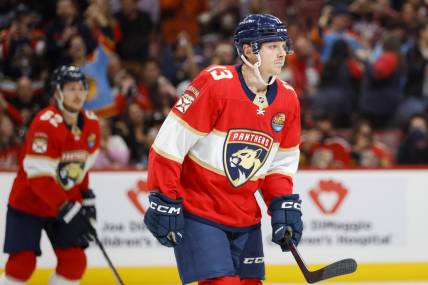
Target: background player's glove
(89,205)
(165,219)
(77,225)
(286,211)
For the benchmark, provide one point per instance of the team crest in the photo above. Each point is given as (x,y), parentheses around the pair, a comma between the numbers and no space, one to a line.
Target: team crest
(70,169)
(90,141)
(278,122)
(69,173)
(244,153)
(39,144)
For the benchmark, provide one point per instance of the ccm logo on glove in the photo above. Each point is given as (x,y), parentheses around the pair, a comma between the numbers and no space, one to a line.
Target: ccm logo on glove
(165,209)
(291,205)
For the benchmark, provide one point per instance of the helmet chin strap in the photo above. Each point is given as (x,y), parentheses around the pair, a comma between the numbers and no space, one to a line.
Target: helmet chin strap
(60,101)
(255,67)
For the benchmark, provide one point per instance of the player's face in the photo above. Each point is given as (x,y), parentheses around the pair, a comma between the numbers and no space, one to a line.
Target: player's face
(273,57)
(74,95)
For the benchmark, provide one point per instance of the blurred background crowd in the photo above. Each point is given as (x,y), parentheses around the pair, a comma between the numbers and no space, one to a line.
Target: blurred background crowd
(359,68)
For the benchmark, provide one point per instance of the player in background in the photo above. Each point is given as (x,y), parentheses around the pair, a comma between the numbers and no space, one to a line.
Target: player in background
(235,130)
(50,191)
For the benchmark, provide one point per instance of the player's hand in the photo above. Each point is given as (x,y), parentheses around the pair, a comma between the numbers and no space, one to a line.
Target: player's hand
(89,208)
(165,219)
(77,222)
(286,212)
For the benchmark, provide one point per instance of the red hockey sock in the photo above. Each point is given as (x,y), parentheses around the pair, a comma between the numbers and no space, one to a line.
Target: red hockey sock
(71,262)
(251,281)
(224,280)
(21,265)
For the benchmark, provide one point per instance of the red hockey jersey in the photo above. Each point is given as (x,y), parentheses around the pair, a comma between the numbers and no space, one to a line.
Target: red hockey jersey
(55,163)
(216,148)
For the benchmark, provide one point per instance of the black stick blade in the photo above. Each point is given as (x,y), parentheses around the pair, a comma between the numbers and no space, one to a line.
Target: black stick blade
(338,268)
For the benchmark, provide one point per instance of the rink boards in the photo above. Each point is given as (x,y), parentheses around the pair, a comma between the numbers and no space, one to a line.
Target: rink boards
(378,217)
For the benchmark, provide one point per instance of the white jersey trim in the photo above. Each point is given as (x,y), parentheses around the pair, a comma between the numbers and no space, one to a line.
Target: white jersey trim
(175,138)
(286,162)
(38,165)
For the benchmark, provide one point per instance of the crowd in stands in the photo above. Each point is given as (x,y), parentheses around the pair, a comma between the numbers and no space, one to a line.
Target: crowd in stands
(360,70)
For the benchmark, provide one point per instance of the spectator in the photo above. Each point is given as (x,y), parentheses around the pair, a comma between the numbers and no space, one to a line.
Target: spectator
(340,22)
(303,68)
(323,149)
(9,147)
(181,16)
(180,63)
(136,29)
(414,146)
(156,93)
(381,91)
(25,104)
(101,98)
(339,86)
(366,151)
(113,150)
(66,25)
(221,19)
(104,26)
(416,83)
(134,129)
(21,46)
(417,68)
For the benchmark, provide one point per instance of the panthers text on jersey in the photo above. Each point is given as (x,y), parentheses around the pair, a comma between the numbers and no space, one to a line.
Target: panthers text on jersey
(218,146)
(55,162)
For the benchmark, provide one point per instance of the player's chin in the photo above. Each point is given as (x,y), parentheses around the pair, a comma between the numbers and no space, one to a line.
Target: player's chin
(74,108)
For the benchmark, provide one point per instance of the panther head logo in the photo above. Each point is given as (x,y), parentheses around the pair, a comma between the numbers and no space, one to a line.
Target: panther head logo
(245,152)
(247,161)
(70,173)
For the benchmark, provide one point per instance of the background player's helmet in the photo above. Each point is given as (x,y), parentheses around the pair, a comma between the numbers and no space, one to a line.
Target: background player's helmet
(67,73)
(64,74)
(256,29)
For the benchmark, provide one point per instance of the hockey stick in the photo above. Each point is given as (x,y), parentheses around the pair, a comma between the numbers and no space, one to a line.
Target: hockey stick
(100,245)
(338,268)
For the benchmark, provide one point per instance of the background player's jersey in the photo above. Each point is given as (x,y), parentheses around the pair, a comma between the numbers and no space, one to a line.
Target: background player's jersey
(55,163)
(217,147)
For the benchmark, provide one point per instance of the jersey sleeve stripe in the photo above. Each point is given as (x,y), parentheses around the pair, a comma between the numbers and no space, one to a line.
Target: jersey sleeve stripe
(285,162)
(175,138)
(293,148)
(166,155)
(206,165)
(37,165)
(209,151)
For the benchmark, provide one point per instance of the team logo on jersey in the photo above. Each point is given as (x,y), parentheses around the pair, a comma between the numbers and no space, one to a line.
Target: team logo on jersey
(71,168)
(69,173)
(184,103)
(90,141)
(278,122)
(244,153)
(40,143)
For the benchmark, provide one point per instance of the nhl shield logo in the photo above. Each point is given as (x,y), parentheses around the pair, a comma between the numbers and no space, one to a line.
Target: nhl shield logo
(244,153)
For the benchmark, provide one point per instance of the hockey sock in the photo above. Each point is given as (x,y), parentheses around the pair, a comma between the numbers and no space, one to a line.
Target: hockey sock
(224,280)
(71,263)
(20,265)
(251,281)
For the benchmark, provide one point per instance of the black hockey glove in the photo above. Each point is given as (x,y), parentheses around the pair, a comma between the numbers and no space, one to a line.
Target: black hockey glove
(165,219)
(89,206)
(286,211)
(77,225)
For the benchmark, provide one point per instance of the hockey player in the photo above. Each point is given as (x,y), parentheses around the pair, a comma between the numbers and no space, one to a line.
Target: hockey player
(235,130)
(50,191)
